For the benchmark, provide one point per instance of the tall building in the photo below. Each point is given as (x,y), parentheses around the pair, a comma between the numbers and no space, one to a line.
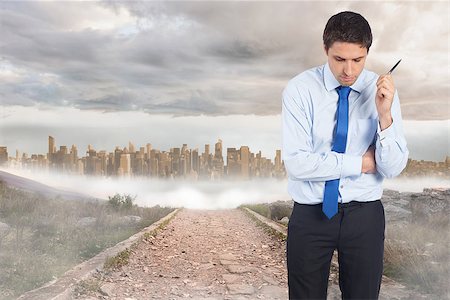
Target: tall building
(233,167)
(117,154)
(131,147)
(279,170)
(185,161)
(51,149)
(51,145)
(149,148)
(277,159)
(218,164)
(195,161)
(245,162)
(218,150)
(125,164)
(175,161)
(102,163)
(64,159)
(110,165)
(74,158)
(139,163)
(91,166)
(184,148)
(164,165)
(3,155)
(153,167)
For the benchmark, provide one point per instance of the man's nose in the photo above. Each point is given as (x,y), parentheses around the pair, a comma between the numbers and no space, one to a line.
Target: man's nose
(348,68)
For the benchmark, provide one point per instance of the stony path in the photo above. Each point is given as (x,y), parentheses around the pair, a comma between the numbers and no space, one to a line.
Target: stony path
(203,255)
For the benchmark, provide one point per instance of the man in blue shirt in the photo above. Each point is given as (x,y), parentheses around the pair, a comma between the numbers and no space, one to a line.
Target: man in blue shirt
(342,135)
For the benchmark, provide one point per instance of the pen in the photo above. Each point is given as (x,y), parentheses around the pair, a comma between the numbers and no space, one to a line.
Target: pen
(393,68)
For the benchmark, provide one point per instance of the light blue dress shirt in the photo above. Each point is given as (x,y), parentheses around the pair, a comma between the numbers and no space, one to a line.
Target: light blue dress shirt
(309,108)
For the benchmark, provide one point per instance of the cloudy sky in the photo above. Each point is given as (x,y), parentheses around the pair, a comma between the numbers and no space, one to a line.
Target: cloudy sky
(168,73)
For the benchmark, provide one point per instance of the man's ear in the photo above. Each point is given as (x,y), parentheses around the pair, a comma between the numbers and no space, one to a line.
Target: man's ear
(325,50)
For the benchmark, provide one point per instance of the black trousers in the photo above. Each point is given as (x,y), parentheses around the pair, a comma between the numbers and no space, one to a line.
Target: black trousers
(356,231)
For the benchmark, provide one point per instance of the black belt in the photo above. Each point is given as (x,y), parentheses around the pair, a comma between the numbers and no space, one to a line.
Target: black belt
(343,205)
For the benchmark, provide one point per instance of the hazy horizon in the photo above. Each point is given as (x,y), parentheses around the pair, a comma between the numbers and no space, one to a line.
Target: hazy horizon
(197,194)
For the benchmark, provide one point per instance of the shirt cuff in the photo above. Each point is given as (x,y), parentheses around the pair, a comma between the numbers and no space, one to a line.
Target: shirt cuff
(386,133)
(351,165)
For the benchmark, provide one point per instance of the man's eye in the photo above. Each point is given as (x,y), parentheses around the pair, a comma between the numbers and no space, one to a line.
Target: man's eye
(357,60)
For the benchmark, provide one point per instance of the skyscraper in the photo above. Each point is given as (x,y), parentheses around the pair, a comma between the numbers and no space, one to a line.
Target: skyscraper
(125,164)
(51,145)
(51,149)
(218,165)
(233,168)
(245,162)
(131,147)
(117,153)
(195,161)
(3,155)
(278,159)
(218,150)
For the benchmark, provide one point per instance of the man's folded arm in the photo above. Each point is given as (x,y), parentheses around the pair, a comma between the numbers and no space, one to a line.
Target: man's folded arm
(299,160)
(391,153)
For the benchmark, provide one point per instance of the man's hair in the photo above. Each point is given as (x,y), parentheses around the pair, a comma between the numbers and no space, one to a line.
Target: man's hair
(347,27)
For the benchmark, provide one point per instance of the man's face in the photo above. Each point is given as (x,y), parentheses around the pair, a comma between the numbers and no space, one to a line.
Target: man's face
(346,61)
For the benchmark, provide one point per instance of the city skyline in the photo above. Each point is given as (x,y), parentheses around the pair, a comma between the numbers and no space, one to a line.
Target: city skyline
(184,162)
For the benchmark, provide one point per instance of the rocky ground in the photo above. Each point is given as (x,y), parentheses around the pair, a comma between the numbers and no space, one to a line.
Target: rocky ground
(202,255)
(223,254)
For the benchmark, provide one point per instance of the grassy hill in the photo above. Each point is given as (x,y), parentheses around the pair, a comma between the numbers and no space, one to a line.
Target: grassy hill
(41,237)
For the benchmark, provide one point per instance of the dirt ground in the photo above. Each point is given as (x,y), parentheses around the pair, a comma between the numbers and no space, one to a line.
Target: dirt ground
(203,254)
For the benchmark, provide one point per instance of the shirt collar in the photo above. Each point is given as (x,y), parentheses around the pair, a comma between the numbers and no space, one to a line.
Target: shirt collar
(331,82)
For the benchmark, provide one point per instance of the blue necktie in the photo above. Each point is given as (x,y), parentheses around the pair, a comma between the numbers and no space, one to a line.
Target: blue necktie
(330,198)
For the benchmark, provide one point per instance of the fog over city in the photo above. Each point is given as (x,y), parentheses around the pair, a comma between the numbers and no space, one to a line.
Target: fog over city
(196,194)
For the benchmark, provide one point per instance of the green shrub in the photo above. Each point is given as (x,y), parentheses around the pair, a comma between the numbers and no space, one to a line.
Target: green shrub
(121,202)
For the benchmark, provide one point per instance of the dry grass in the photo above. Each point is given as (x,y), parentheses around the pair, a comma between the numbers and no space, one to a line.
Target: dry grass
(418,256)
(274,211)
(46,238)
(120,260)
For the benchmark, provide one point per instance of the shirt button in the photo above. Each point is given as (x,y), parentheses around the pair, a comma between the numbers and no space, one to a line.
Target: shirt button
(342,186)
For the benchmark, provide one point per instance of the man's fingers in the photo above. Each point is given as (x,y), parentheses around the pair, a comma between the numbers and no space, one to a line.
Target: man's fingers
(384,92)
(385,79)
(386,84)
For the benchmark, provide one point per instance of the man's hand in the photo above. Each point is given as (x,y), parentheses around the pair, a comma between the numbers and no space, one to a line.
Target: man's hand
(368,161)
(384,99)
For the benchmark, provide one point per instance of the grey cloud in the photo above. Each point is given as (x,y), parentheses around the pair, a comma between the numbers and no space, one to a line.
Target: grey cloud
(202,57)
(108,103)
(195,105)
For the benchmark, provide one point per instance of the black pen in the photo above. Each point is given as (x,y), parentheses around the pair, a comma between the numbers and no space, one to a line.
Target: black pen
(393,68)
